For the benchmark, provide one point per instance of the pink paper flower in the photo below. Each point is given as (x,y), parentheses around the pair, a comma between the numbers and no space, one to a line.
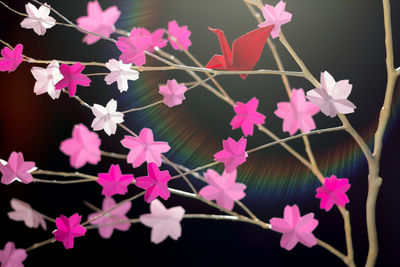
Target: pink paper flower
(157,40)
(133,47)
(222,188)
(46,79)
(38,19)
(295,228)
(180,34)
(120,73)
(98,21)
(233,154)
(68,229)
(275,16)
(11,58)
(11,257)
(164,222)
(114,182)
(72,77)
(24,212)
(333,191)
(107,117)
(247,116)
(155,184)
(297,114)
(143,148)
(173,93)
(83,147)
(116,219)
(16,169)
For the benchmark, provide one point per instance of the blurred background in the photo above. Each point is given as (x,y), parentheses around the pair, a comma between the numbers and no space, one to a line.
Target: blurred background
(345,38)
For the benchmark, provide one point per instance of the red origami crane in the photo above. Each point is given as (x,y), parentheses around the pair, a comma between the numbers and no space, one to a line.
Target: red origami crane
(246,50)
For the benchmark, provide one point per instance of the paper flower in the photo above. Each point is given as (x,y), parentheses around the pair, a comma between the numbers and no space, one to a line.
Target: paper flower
(68,229)
(114,182)
(247,116)
(333,191)
(275,16)
(107,117)
(120,73)
(72,77)
(116,219)
(24,212)
(98,21)
(233,154)
(16,169)
(297,114)
(164,222)
(331,98)
(295,228)
(173,93)
(157,40)
(133,47)
(11,58)
(38,19)
(11,257)
(155,184)
(143,148)
(180,34)
(222,188)
(83,147)
(46,79)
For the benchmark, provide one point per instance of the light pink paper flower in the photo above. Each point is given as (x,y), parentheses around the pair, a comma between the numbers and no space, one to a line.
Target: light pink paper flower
(38,19)
(331,98)
(16,169)
(72,77)
(294,228)
(68,229)
(222,188)
(11,257)
(233,154)
(155,184)
(133,47)
(297,114)
(11,58)
(164,222)
(114,182)
(143,148)
(275,16)
(173,93)
(120,73)
(116,219)
(46,79)
(83,147)
(180,34)
(98,21)
(107,117)
(333,191)
(24,212)
(247,116)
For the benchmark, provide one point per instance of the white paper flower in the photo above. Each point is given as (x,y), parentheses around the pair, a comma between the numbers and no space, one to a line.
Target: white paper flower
(120,73)
(38,19)
(46,79)
(107,117)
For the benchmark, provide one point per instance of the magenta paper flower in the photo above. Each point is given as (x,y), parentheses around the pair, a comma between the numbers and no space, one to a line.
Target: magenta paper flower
(68,229)
(331,98)
(333,191)
(83,147)
(295,228)
(233,154)
(247,116)
(173,93)
(155,184)
(38,19)
(164,222)
(98,21)
(114,182)
(72,77)
(11,257)
(24,212)
(116,219)
(143,148)
(276,16)
(120,73)
(11,58)
(133,47)
(222,188)
(46,79)
(157,40)
(180,34)
(107,117)
(297,114)
(16,169)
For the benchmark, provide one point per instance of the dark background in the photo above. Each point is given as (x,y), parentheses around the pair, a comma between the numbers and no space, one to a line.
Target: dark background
(344,37)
